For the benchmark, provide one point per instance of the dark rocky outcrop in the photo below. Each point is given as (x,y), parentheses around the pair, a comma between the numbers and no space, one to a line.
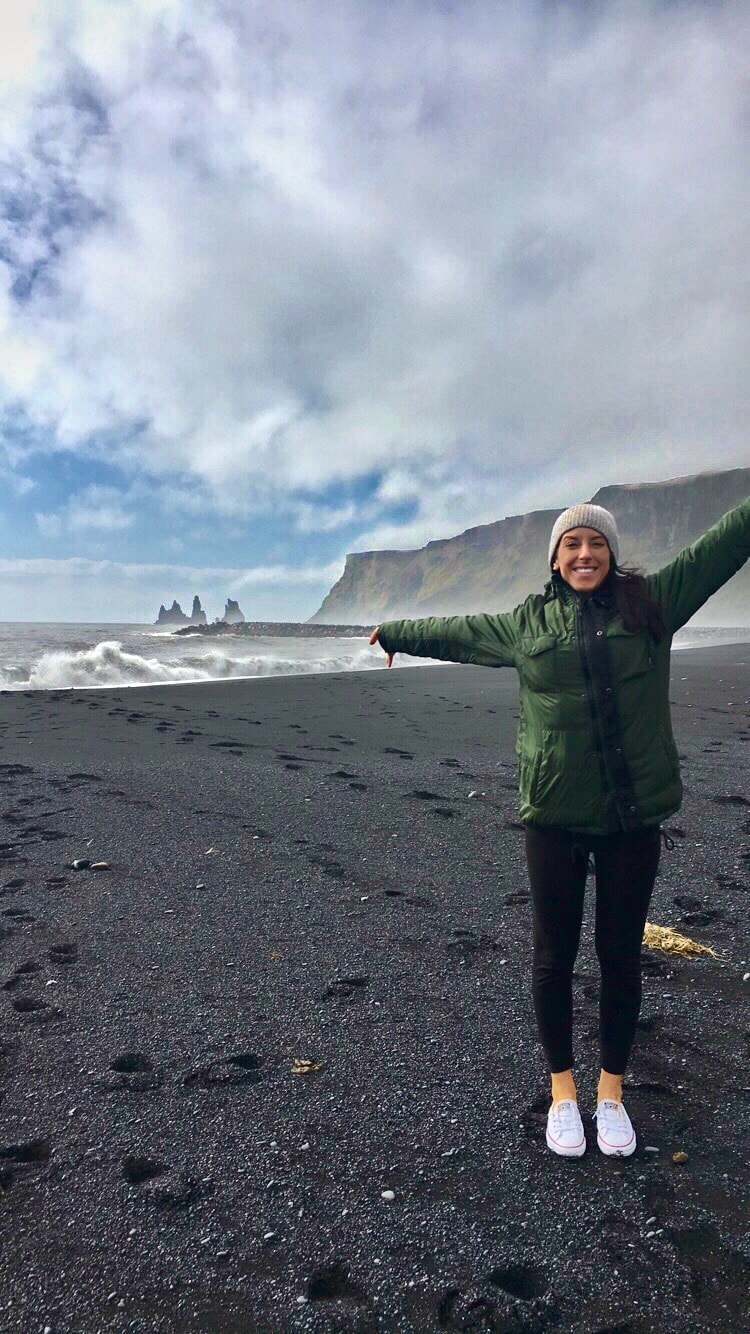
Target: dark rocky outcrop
(198,615)
(233,615)
(497,565)
(176,616)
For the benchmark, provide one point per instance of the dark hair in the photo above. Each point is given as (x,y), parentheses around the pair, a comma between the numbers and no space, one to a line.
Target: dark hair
(638,609)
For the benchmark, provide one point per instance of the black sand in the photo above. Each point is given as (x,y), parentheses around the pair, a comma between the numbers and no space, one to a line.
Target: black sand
(298,871)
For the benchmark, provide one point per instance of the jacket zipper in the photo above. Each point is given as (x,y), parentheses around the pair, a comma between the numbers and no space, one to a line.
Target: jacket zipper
(591,701)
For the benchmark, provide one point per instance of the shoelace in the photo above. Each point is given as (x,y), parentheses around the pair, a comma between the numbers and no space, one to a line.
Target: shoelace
(608,1109)
(565,1114)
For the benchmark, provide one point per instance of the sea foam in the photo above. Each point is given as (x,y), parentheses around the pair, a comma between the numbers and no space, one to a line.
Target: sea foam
(108,664)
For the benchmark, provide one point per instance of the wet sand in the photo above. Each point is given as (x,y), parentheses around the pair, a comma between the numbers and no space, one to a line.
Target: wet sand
(298,873)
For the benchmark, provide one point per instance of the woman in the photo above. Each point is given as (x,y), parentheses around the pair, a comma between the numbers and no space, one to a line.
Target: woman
(598,769)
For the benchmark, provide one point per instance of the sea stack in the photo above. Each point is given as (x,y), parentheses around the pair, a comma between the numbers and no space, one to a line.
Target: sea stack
(175,615)
(198,615)
(233,615)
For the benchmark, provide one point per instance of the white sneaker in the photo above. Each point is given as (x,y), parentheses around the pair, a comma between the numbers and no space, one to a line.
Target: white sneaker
(565,1129)
(614,1130)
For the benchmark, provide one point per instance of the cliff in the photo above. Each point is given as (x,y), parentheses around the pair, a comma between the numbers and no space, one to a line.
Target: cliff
(497,565)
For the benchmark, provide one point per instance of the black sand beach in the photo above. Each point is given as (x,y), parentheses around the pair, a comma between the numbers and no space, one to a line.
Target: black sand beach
(299,872)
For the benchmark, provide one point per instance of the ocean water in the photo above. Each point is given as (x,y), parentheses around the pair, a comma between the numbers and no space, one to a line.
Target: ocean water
(55,656)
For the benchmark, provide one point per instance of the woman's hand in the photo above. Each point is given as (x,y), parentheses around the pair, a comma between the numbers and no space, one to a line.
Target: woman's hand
(374,640)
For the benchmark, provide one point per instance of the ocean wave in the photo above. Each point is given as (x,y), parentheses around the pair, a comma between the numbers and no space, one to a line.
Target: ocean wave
(108,664)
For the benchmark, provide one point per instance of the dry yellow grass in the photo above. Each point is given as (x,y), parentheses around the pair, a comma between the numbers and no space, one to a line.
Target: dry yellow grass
(669,941)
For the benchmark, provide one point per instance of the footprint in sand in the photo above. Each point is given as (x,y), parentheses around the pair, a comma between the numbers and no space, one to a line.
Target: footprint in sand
(243,1068)
(496,1301)
(18,915)
(18,1160)
(133,1072)
(37,1010)
(11,886)
(343,988)
(328,866)
(332,1283)
(19,975)
(719,1274)
(65,953)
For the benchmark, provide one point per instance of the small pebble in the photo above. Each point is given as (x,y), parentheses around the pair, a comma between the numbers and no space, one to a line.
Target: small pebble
(100,866)
(80,864)
(388,1195)
(746,977)
(52,982)
(679,1157)
(651,1220)
(651,1148)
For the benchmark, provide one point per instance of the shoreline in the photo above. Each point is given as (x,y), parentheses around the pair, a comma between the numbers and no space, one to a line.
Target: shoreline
(299,872)
(220,680)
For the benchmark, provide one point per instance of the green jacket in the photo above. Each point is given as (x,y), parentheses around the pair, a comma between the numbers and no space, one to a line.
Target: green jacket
(595,747)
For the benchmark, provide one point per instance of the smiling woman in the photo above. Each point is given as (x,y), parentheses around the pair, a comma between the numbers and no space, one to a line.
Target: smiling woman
(598,768)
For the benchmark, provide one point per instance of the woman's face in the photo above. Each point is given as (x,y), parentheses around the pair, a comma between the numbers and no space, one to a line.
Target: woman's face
(583,558)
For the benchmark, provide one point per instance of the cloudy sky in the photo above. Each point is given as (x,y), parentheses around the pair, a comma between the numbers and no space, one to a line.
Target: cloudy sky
(282,280)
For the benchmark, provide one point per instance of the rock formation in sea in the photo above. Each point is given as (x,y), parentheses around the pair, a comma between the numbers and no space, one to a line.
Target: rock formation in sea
(497,565)
(198,615)
(176,616)
(233,614)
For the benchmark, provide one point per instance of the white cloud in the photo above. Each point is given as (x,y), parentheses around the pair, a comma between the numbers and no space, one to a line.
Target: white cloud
(79,567)
(94,509)
(495,252)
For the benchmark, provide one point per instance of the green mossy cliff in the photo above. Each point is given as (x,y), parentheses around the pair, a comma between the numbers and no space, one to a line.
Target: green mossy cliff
(495,566)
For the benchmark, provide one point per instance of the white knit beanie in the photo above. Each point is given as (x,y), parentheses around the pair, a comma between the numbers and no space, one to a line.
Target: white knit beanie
(585,516)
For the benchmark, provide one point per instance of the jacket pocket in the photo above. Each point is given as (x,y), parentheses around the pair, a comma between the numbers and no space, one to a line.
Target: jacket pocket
(631,652)
(538,664)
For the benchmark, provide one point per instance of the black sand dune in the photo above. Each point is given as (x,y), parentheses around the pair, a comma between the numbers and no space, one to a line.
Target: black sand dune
(303,981)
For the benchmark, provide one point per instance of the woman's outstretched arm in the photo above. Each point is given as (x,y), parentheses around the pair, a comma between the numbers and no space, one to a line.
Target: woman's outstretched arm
(683,586)
(484,639)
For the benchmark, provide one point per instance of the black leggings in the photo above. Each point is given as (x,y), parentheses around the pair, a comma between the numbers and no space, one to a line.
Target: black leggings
(626,865)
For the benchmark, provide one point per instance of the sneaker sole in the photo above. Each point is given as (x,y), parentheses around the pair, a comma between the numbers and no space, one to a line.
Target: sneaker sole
(616,1151)
(565,1151)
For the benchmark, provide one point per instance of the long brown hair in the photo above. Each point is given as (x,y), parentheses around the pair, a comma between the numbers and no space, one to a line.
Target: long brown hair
(638,609)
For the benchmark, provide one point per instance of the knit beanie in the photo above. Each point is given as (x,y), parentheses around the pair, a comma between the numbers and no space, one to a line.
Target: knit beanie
(585,516)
